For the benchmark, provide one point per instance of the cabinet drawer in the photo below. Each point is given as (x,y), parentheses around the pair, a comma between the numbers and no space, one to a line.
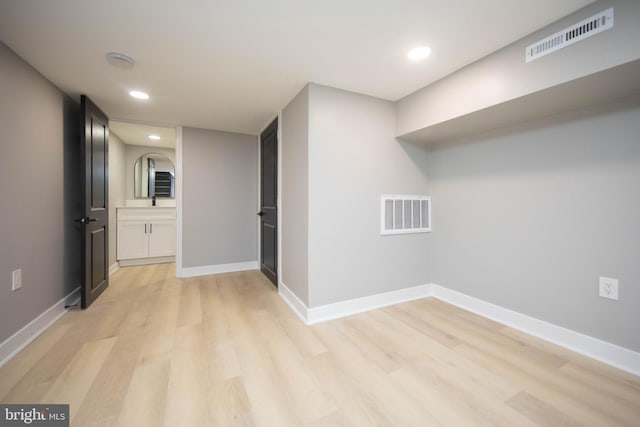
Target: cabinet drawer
(136,214)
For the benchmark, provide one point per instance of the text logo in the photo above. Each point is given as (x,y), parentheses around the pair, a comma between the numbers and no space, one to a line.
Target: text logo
(34,415)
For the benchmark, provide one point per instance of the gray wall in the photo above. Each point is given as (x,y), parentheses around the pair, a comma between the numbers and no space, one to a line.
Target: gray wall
(294,206)
(529,217)
(504,75)
(40,144)
(117,188)
(133,153)
(219,197)
(353,159)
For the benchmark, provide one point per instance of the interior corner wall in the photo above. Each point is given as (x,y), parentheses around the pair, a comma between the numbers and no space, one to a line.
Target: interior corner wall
(40,130)
(529,217)
(353,159)
(219,197)
(117,189)
(294,200)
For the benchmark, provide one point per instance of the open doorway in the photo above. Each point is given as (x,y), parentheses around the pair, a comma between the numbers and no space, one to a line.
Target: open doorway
(142,161)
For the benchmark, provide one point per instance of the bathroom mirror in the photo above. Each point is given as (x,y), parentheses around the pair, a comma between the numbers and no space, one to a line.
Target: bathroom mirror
(154,175)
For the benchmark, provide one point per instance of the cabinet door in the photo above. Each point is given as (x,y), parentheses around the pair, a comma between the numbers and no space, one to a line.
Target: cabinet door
(162,238)
(132,240)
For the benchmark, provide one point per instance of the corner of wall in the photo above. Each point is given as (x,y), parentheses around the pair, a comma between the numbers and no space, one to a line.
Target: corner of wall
(179,207)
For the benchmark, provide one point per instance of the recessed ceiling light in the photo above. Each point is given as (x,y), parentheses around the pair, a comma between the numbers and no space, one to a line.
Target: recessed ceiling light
(139,95)
(419,53)
(120,60)
(154,137)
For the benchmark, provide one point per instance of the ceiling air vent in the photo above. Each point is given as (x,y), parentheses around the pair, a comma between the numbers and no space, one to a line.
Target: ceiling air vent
(573,34)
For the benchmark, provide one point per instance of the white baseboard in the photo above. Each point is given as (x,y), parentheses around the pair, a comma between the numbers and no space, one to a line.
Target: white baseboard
(611,354)
(605,352)
(206,270)
(292,300)
(146,261)
(113,268)
(16,342)
(346,308)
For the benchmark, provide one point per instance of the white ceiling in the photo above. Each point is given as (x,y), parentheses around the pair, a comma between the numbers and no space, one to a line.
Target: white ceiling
(137,134)
(232,65)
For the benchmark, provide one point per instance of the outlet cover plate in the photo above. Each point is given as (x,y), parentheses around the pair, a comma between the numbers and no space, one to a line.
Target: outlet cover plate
(609,288)
(16,279)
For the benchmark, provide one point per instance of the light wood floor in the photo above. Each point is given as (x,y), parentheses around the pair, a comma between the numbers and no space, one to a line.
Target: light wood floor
(224,350)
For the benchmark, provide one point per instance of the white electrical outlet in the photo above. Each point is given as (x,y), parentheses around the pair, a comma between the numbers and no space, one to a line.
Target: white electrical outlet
(16,279)
(609,288)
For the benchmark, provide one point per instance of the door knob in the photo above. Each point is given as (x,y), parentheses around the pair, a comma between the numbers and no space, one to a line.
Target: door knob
(85,220)
(260,213)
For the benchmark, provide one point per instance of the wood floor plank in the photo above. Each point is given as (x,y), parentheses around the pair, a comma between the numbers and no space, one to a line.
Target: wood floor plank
(229,404)
(138,313)
(14,370)
(214,320)
(72,385)
(223,361)
(460,371)
(612,385)
(470,400)
(303,337)
(269,402)
(385,357)
(187,393)
(105,398)
(550,389)
(580,362)
(355,405)
(131,281)
(542,413)
(489,338)
(189,312)
(145,400)
(418,323)
(226,350)
(309,401)
(372,381)
(35,383)
(595,399)
(159,331)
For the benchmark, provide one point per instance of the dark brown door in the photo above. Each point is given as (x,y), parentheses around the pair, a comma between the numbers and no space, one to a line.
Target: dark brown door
(94,178)
(268,202)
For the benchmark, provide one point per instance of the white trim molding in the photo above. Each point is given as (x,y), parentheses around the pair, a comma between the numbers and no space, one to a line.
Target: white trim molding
(16,342)
(605,352)
(206,270)
(178,198)
(611,354)
(336,310)
(146,261)
(113,268)
(292,300)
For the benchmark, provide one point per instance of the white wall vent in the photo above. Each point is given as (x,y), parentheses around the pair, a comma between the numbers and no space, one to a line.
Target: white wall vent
(404,214)
(573,34)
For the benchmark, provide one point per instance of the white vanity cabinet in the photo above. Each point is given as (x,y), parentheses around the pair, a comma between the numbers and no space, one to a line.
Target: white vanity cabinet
(146,235)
